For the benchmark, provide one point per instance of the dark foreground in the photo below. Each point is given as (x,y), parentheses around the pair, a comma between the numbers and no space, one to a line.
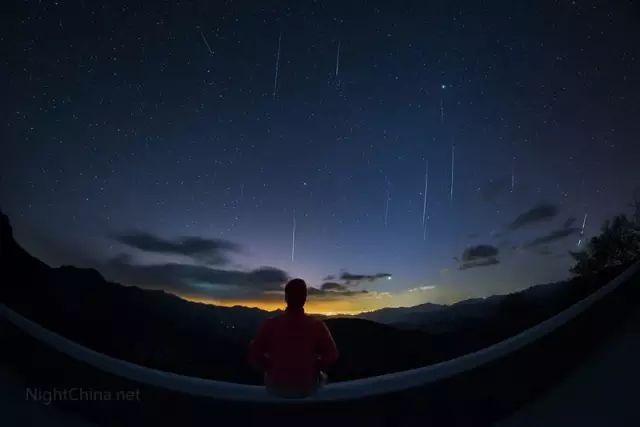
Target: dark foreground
(600,392)
(579,353)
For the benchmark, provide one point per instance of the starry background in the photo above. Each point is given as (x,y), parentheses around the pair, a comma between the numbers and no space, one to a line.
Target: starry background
(147,139)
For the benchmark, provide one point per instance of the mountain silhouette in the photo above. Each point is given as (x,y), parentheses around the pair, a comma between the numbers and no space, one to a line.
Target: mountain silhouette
(439,318)
(391,315)
(160,330)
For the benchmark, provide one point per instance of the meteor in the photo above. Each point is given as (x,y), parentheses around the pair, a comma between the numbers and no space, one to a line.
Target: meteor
(275,78)
(584,222)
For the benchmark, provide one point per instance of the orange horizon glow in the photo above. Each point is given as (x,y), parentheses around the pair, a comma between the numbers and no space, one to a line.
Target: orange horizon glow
(333,305)
(327,308)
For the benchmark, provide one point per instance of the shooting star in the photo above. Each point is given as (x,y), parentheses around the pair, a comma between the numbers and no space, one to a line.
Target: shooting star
(206,43)
(426,184)
(453,166)
(338,60)
(424,203)
(424,232)
(275,78)
(293,238)
(584,222)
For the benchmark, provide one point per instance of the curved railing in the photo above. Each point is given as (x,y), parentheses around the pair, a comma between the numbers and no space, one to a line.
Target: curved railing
(348,390)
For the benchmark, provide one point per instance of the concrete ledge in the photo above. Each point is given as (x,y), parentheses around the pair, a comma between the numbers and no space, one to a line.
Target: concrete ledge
(343,391)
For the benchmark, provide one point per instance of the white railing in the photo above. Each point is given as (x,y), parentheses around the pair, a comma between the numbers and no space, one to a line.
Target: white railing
(347,390)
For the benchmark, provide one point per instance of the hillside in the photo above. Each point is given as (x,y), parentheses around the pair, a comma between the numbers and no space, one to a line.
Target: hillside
(160,330)
(439,318)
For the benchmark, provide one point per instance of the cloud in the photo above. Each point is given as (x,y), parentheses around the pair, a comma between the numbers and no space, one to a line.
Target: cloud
(479,256)
(569,222)
(314,291)
(422,288)
(539,213)
(553,236)
(350,278)
(210,251)
(333,286)
(207,281)
(380,295)
(482,263)
(334,292)
(544,250)
(197,279)
(473,253)
(328,290)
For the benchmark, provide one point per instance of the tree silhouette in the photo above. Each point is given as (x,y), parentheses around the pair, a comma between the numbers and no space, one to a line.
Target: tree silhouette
(617,244)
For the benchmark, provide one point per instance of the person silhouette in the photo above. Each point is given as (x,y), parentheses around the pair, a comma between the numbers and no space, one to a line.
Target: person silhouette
(293,349)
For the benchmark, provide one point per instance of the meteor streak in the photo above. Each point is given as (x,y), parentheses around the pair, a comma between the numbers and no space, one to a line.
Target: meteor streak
(338,60)
(206,43)
(424,202)
(275,78)
(584,222)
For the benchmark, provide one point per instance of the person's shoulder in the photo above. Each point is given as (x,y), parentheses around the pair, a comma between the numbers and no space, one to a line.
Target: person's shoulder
(276,318)
(318,325)
(314,320)
(270,321)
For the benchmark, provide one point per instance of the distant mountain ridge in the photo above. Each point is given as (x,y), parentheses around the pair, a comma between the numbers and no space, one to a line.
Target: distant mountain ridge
(412,316)
(391,315)
(160,330)
(441,317)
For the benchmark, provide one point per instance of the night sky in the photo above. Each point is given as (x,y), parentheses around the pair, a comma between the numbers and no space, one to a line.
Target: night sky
(173,145)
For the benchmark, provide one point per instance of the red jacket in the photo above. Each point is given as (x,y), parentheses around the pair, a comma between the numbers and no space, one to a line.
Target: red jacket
(291,349)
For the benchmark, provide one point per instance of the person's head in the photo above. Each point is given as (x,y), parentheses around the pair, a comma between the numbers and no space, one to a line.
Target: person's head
(295,293)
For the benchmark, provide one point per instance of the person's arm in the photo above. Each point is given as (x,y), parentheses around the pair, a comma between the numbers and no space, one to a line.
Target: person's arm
(327,350)
(259,347)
